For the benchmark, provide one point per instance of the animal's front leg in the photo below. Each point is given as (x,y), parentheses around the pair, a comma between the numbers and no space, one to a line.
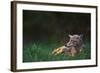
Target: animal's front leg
(55,50)
(73,51)
(59,51)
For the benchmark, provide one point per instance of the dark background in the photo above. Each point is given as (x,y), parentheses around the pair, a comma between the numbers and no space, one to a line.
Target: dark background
(46,25)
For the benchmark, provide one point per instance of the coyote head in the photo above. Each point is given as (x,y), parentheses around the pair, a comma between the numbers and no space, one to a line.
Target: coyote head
(75,41)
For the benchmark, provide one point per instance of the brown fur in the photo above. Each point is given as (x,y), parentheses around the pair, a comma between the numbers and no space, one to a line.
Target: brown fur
(72,51)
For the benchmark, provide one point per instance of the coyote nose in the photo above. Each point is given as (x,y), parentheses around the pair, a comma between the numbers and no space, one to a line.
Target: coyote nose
(65,45)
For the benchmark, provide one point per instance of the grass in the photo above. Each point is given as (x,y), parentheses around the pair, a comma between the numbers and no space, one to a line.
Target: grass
(41,51)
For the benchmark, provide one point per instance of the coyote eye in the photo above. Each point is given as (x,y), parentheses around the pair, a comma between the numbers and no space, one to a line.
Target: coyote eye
(71,40)
(77,37)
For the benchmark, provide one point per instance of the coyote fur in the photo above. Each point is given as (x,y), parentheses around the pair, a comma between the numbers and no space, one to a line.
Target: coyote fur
(74,46)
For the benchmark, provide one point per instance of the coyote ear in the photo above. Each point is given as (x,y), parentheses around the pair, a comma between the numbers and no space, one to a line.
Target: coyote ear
(70,35)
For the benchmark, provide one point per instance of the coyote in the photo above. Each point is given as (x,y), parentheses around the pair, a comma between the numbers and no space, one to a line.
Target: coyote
(74,46)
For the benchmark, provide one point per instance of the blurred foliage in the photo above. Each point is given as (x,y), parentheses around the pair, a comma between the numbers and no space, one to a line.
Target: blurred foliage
(43,25)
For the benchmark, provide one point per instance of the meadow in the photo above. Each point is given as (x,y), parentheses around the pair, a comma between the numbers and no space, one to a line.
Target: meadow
(42,51)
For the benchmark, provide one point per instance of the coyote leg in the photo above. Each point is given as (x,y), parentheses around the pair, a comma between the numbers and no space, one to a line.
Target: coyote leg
(55,50)
(58,50)
(73,51)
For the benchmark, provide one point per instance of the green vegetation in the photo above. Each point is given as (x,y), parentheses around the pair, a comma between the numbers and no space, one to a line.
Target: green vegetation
(41,51)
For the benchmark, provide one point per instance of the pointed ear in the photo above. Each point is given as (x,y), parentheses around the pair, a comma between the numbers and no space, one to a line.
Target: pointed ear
(70,35)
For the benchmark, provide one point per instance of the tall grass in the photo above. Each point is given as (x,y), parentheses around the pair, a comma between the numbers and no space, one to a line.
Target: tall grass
(41,51)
